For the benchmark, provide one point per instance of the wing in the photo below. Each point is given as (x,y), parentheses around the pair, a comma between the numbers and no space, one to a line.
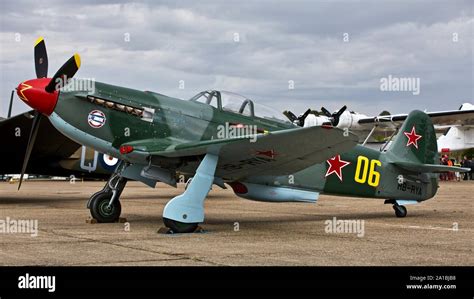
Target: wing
(50,146)
(276,153)
(440,118)
(387,124)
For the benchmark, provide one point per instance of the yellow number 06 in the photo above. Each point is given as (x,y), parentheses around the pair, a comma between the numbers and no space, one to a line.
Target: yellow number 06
(363,171)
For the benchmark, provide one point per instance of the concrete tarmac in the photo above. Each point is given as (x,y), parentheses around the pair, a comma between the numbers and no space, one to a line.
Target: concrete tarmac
(439,231)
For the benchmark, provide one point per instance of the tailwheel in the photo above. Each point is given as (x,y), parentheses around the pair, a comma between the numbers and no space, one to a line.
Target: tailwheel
(102,211)
(179,227)
(400,211)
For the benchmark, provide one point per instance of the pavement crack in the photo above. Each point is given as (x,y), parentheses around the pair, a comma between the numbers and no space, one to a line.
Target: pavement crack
(176,256)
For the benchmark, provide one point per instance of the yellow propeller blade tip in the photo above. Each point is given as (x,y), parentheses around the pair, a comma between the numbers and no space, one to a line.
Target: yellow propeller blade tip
(38,40)
(77,58)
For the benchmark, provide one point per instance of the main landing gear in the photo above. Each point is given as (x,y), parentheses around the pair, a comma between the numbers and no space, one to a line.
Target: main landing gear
(105,205)
(184,212)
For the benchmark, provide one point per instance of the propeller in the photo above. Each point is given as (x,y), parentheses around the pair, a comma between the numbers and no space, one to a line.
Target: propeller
(334,117)
(290,115)
(299,121)
(42,97)
(41,59)
(11,104)
(65,72)
(31,142)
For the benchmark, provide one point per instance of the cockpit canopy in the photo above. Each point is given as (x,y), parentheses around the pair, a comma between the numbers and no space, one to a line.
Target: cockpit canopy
(236,103)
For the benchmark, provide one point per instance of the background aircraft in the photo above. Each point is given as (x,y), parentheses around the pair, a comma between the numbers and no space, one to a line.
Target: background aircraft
(53,154)
(455,127)
(167,136)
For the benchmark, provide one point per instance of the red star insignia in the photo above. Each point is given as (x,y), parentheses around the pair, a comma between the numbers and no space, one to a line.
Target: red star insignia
(335,166)
(271,153)
(412,137)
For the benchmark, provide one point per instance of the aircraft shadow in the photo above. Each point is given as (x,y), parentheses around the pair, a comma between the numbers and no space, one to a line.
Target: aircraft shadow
(58,198)
(269,219)
(30,200)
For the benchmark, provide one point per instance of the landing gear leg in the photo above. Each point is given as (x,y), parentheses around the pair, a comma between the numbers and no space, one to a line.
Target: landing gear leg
(400,211)
(105,205)
(187,183)
(184,212)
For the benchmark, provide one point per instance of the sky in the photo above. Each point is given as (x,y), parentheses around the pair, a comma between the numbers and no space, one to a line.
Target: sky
(285,54)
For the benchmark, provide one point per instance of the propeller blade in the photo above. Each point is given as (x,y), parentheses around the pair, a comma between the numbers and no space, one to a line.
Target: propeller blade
(31,142)
(326,112)
(11,105)
(65,72)
(341,111)
(302,117)
(290,115)
(41,59)
(336,116)
(307,112)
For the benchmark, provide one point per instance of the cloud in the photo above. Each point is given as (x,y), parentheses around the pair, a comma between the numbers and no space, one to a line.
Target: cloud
(153,45)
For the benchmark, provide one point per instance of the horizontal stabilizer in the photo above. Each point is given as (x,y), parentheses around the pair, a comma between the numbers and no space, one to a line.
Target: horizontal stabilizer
(429,168)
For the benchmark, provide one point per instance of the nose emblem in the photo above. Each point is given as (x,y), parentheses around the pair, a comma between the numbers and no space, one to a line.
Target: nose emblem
(24,87)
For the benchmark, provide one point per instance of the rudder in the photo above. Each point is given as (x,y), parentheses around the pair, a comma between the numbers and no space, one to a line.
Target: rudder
(416,140)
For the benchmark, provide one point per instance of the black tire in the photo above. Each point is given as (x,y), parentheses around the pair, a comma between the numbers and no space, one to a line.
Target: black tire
(93,196)
(101,212)
(180,227)
(400,211)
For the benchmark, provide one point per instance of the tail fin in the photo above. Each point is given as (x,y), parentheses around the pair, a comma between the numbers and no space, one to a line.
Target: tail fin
(416,140)
(415,148)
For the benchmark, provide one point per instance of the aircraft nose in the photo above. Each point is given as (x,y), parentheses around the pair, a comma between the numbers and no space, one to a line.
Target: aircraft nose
(33,93)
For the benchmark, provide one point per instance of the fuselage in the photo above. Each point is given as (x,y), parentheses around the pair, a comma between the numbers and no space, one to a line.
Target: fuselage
(130,115)
(364,173)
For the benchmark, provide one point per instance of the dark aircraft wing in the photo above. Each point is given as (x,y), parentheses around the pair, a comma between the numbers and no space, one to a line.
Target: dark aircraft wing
(275,153)
(50,147)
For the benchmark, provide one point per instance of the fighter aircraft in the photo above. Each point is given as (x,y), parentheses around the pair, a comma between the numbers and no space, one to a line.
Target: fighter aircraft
(455,126)
(220,137)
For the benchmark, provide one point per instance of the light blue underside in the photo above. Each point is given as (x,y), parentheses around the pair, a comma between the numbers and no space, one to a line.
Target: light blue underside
(278,194)
(404,202)
(189,206)
(83,137)
(132,172)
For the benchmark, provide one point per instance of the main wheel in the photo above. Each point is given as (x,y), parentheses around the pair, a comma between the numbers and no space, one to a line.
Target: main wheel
(400,211)
(180,227)
(101,211)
